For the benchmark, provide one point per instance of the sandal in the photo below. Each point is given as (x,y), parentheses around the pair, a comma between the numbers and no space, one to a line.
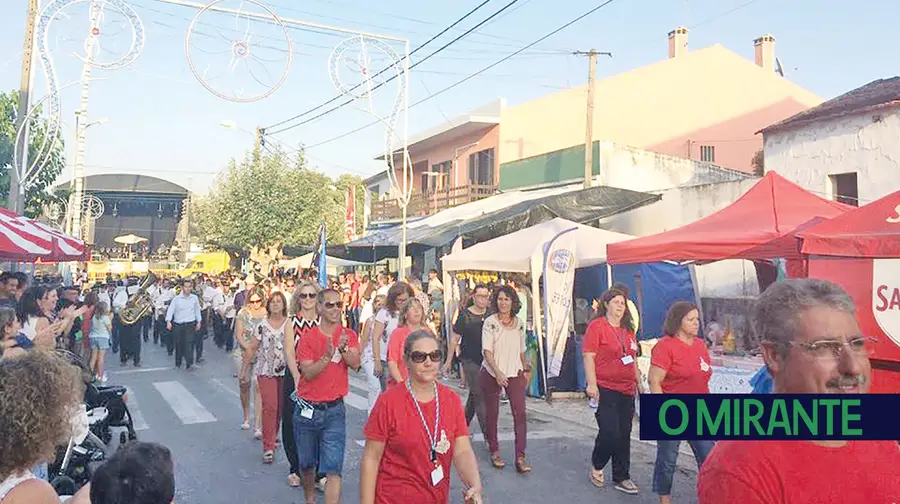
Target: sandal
(627,486)
(497,461)
(522,466)
(268,457)
(294,480)
(597,478)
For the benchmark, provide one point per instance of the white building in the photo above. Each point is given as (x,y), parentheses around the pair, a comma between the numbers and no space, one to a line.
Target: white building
(847,148)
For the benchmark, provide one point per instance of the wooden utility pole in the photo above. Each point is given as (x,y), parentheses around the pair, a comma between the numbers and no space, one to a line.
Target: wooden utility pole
(21,147)
(589,125)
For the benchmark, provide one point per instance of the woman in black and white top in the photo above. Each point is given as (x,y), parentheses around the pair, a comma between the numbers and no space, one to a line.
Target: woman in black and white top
(468,337)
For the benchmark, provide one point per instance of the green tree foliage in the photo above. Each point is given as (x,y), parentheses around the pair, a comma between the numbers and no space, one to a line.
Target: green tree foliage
(270,200)
(38,192)
(758,163)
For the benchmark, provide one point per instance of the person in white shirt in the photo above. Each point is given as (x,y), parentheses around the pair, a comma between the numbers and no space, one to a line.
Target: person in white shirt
(183,317)
(161,304)
(119,299)
(217,305)
(207,293)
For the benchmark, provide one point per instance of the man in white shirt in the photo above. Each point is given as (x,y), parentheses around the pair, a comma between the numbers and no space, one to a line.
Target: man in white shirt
(217,304)
(119,299)
(183,319)
(206,292)
(161,304)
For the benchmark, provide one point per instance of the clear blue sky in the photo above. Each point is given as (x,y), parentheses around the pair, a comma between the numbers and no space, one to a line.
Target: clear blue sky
(161,120)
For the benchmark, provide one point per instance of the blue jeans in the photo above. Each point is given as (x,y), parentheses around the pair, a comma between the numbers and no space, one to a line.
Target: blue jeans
(321,439)
(667,456)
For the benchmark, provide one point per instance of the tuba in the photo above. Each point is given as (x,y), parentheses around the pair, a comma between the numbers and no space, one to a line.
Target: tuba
(139,304)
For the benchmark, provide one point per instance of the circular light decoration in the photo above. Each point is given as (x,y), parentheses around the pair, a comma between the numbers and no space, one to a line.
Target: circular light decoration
(242,66)
(92,207)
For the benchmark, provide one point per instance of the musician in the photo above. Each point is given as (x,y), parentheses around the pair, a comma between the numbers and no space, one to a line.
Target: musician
(161,304)
(129,335)
(207,293)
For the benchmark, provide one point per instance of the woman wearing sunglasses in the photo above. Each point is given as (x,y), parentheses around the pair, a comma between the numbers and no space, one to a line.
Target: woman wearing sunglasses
(306,317)
(416,431)
(412,316)
(246,325)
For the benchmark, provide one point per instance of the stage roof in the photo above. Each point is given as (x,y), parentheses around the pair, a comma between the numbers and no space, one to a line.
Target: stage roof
(131,183)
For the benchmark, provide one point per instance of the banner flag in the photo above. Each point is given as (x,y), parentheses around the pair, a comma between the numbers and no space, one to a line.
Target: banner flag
(559,277)
(318,260)
(350,215)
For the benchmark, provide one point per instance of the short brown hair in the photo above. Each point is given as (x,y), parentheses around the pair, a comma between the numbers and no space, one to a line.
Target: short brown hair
(675,315)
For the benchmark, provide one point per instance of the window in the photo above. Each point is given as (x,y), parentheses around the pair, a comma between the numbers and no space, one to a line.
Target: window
(844,188)
(481,167)
(420,168)
(441,181)
(708,153)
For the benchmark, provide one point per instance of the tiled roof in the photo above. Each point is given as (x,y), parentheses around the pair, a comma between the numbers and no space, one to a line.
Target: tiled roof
(874,95)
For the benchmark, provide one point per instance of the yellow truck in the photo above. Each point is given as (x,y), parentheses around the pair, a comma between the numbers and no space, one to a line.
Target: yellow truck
(210,263)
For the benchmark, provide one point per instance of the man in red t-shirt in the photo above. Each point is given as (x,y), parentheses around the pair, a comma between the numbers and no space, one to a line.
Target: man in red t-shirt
(324,354)
(812,344)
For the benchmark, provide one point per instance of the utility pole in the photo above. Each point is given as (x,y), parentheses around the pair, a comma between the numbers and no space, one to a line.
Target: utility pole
(21,147)
(81,123)
(589,126)
(260,139)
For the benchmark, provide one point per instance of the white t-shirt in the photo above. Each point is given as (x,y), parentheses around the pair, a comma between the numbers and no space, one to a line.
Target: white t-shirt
(506,344)
(390,322)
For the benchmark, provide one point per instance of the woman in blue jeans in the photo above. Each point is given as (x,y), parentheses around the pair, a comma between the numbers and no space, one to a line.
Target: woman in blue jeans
(679,364)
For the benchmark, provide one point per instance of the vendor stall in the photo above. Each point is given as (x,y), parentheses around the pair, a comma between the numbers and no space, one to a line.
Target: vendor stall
(27,240)
(860,250)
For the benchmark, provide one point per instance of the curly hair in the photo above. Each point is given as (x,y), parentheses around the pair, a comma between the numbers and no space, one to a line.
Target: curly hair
(408,305)
(675,316)
(394,292)
(38,393)
(511,294)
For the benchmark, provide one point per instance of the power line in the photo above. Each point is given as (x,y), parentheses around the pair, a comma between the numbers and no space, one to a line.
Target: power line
(476,74)
(345,103)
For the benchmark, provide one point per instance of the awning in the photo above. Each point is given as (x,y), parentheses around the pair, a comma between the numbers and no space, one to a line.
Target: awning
(761,224)
(27,240)
(502,214)
(872,230)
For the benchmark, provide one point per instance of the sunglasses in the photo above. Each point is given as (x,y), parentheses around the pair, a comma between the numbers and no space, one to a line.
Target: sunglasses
(306,295)
(419,357)
(256,300)
(334,304)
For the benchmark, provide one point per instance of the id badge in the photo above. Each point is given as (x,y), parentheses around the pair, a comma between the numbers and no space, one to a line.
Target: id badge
(627,360)
(336,358)
(307,413)
(437,475)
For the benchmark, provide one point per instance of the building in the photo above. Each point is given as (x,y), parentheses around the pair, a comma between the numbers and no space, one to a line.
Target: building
(845,148)
(704,105)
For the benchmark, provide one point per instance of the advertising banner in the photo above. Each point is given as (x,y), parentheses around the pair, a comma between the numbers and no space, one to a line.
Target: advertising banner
(558,279)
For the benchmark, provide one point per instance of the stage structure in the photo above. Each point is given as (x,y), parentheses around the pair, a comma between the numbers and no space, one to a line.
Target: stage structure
(351,67)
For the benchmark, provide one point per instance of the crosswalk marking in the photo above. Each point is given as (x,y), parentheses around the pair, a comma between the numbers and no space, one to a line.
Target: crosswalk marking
(505,437)
(183,403)
(140,370)
(357,401)
(137,418)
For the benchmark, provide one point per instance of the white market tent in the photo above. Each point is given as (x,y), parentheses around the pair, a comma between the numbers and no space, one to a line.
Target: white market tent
(331,263)
(516,251)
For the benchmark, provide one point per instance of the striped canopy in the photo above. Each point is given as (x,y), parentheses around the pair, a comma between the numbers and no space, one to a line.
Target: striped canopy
(27,240)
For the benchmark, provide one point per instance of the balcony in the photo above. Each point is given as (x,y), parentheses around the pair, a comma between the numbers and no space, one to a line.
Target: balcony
(431,202)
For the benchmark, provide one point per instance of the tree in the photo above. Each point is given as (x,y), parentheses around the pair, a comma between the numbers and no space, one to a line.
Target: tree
(758,163)
(37,193)
(268,201)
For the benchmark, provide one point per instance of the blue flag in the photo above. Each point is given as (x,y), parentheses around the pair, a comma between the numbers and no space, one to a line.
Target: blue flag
(319,258)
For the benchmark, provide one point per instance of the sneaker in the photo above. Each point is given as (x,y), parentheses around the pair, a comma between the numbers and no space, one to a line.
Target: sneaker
(104,378)
(320,485)
(627,486)
(257,434)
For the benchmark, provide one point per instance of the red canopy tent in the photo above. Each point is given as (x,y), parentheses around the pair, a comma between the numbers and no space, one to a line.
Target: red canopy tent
(760,225)
(872,230)
(27,240)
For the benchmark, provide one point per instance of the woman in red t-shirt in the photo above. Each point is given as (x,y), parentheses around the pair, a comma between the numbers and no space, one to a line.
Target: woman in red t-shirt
(412,318)
(679,364)
(610,350)
(414,433)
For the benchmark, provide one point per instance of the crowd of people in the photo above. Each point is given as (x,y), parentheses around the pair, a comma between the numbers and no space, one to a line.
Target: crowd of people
(295,343)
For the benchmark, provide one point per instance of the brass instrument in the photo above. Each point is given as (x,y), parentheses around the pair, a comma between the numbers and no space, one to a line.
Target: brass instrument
(139,304)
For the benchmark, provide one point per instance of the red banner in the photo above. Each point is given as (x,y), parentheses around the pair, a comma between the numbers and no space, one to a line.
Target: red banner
(350,216)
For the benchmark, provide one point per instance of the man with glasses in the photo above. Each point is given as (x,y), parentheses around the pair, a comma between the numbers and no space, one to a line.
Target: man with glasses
(324,355)
(811,344)
(183,321)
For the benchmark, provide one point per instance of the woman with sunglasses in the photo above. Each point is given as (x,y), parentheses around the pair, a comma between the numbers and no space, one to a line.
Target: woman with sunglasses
(368,355)
(246,325)
(411,319)
(415,433)
(306,317)
(505,368)
(386,320)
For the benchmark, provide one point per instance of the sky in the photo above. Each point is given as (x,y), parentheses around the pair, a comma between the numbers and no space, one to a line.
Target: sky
(158,118)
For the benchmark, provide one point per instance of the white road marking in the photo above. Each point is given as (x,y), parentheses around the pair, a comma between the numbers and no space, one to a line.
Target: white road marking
(359,383)
(505,437)
(140,370)
(183,403)
(357,401)
(226,388)
(137,418)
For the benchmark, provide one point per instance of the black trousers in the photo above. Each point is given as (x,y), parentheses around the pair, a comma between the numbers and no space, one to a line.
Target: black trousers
(146,324)
(202,334)
(287,424)
(167,337)
(228,326)
(614,415)
(159,327)
(116,329)
(218,323)
(130,342)
(183,335)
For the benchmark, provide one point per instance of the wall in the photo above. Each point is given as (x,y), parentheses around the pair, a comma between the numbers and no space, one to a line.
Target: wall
(683,205)
(380,188)
(807,155)
(487,138)
(707,97)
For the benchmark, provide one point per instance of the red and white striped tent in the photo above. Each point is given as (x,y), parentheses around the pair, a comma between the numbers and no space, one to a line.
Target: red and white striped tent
(27,240)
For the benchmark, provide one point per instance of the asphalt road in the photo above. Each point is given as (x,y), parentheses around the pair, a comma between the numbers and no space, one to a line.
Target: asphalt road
(197,415)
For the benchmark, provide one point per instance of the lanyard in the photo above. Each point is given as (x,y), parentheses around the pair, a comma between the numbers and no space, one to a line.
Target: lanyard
(618,332)
(432,437)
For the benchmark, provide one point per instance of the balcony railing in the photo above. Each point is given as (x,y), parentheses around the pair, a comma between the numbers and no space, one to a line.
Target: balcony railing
(431,202)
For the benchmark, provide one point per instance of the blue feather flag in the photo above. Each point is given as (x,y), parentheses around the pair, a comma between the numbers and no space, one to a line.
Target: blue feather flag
(319,258)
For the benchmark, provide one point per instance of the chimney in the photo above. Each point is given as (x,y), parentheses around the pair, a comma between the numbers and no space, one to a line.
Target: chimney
(764,48)
(678,42)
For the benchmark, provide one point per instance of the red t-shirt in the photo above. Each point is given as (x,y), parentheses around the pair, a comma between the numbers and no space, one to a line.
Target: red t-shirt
(333,382)
(687,367)
(405,469)
(800,472)
(395,352)
(610,345)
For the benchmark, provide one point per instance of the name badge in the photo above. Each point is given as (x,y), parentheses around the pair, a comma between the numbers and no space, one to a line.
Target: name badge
(336,358)
(627,360)
(437,475)
(307,413)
